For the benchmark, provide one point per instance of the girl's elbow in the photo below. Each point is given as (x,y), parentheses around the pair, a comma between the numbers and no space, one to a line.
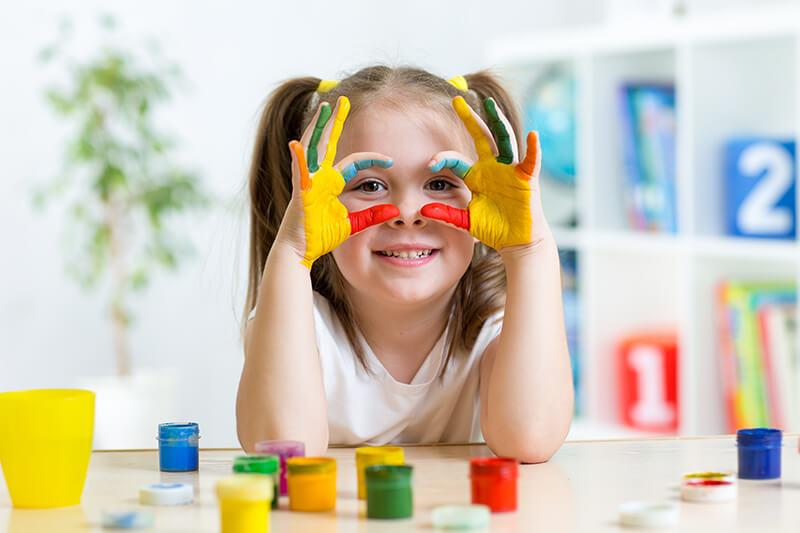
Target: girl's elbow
(524,451)
(535,445)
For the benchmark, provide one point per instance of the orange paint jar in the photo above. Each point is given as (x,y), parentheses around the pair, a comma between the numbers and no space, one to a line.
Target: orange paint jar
(312,483)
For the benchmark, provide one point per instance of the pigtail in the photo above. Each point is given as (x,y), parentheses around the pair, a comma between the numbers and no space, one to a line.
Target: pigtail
(270,177)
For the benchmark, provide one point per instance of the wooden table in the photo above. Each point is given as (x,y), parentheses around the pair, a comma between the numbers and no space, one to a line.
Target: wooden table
(580,489)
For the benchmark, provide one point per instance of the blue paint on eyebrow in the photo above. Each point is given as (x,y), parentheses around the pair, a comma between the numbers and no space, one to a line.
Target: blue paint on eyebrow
(349,172)
(457,166)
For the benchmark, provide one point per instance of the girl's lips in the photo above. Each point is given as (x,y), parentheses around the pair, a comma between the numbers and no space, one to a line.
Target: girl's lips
(407,262)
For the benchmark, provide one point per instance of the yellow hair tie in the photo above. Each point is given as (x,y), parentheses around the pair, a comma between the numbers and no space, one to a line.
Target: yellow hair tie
(459,82)
(326,85)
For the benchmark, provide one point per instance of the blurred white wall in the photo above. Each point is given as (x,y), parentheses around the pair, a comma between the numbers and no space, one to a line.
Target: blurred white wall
(51,332)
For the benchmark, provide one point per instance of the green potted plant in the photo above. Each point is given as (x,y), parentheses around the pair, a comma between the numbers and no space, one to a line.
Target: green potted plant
(120,184)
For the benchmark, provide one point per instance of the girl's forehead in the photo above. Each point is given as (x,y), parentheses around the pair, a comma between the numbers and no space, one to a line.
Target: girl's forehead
(410,133)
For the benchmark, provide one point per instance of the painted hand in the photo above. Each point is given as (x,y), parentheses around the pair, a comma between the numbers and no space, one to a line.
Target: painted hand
(326,220)
(505,209)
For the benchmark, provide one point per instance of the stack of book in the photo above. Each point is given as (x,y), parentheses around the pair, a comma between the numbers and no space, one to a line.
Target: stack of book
(648,135)
(759,357)
(569,281)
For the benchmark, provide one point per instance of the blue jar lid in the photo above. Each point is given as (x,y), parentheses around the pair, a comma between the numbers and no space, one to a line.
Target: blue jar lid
(178,430)
(759,436)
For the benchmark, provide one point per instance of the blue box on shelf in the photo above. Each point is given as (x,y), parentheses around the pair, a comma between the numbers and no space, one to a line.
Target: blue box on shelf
(760,181)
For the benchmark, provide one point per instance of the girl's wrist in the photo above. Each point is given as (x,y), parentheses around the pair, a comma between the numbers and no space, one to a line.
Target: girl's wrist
(544,243)
(291,238)
(286,249)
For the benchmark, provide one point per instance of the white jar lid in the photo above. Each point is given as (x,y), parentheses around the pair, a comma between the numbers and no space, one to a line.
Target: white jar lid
(166,494)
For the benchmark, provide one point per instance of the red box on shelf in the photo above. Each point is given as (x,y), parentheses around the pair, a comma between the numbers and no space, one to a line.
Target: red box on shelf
(648,378)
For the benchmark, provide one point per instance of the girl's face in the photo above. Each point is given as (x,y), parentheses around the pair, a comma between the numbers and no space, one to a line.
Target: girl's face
(410,258)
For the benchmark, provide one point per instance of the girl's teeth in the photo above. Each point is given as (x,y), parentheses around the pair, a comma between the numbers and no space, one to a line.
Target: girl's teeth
(408,254)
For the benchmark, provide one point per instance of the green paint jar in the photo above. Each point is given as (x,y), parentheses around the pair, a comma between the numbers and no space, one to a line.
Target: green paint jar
(389,491)
(266,465)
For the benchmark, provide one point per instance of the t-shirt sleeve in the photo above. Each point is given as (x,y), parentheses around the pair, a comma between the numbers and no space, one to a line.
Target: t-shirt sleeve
(490,330)
(324,324)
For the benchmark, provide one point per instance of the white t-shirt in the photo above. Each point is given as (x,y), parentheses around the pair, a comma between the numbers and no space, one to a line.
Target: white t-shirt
(376,409)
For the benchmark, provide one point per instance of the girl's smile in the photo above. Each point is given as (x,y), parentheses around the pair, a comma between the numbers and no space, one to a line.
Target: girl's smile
(407,254)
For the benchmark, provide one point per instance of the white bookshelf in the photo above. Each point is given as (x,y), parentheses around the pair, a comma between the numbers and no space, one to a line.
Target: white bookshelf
(734,74)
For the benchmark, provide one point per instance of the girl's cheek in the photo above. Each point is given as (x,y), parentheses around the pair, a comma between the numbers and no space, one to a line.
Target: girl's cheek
(456,198)
(355,203)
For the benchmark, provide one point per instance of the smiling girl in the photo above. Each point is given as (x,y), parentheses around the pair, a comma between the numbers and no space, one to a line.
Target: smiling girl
(404,285)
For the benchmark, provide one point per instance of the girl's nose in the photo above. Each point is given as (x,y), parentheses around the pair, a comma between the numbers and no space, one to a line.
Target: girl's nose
(409,217)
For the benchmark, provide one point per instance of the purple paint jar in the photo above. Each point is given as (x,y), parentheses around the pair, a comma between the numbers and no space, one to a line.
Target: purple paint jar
(283,449)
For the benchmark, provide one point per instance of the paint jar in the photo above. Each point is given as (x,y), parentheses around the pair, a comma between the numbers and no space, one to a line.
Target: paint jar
(759,453)
(265,465)
(45,446)
(283,449)
(389,491)
(494,483)
(312,483)
(244,503)
(177,446)
(375,455)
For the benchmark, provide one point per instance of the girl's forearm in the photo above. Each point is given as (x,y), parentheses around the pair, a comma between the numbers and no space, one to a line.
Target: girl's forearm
(281,393)
(530,395)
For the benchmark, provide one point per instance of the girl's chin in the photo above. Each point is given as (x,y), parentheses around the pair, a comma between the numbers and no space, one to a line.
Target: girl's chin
(408,291)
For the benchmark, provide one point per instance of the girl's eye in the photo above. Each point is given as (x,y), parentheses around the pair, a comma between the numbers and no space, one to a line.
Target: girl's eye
(440,185)
(370,186)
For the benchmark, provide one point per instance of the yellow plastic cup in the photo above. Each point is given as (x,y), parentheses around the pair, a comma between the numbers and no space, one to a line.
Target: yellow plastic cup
(45,445)
(312,483)
(244,502)
(375,455)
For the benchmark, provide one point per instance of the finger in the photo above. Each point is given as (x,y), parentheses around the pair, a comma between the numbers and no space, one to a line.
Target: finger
(322,118)
(532,163)
(361,220)
(447,213)
(511,133)
(459,167)
(481,136)
(353,163)
(503,133)
(299,167)
(305,139)
(342,110)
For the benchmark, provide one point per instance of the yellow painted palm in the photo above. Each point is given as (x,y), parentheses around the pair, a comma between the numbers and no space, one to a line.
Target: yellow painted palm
(499,214)
(327,221)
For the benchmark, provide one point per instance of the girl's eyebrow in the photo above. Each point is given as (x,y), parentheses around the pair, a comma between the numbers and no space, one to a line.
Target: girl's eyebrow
(349,172)
(457,166)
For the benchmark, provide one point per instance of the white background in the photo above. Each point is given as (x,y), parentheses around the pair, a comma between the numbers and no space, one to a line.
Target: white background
(52,334)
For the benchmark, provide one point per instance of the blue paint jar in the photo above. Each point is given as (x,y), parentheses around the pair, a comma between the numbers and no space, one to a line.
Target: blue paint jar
(177,446)
(759,453)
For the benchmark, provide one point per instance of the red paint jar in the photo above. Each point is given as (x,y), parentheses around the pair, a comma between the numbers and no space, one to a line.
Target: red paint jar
(494,482)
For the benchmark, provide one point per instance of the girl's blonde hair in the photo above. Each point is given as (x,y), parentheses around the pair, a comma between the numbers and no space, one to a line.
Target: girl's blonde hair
(287,112)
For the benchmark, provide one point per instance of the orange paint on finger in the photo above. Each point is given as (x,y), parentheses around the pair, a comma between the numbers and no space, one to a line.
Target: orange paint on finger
(299,153)
(528,165)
